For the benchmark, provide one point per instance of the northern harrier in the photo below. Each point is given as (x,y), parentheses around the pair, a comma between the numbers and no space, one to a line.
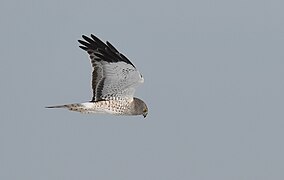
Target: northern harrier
(114,80)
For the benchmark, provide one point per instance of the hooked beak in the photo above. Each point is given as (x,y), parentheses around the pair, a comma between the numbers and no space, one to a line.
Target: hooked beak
(145,114)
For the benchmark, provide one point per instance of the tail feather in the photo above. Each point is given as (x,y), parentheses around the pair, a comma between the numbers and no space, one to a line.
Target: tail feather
(59,106)
(79,107)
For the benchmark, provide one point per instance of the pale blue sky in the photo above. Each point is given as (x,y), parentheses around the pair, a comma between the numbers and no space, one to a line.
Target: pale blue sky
(213,83)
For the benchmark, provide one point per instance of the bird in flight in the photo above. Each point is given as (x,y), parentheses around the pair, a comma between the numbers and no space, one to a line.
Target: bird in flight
(114,79)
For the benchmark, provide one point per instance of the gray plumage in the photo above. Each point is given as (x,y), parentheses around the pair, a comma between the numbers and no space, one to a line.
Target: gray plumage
(114,79)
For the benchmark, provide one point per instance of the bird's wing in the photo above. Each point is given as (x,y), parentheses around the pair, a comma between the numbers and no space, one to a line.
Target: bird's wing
(114,76)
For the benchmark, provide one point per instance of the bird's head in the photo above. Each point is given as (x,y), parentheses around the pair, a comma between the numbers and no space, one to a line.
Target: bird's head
(139,107)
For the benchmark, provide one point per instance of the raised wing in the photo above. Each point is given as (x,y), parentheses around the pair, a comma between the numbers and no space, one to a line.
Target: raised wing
(114,76)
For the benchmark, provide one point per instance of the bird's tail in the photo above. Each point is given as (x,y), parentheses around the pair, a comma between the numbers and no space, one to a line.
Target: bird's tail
(58,106)
(72,107)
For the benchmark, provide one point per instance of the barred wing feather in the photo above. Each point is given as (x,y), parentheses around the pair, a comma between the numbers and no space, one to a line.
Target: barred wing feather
(114,76)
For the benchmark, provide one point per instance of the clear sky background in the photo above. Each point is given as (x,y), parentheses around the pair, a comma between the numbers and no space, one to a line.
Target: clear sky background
(213,83)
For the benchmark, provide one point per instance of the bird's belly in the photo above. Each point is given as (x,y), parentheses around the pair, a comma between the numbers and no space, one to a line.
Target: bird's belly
(109,107)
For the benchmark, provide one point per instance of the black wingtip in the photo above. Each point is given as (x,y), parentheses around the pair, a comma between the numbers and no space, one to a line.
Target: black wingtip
(83,47)
(98,41)
(104,51)
(84,37)
(112,47)
(84,43)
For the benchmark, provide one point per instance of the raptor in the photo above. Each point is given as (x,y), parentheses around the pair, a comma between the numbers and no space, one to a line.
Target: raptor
(114,79)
